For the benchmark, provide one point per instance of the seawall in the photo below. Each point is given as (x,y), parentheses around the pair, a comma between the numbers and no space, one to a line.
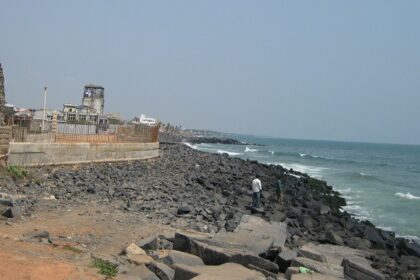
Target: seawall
(38,154)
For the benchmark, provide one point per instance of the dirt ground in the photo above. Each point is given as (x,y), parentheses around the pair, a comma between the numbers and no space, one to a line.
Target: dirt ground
(77,232)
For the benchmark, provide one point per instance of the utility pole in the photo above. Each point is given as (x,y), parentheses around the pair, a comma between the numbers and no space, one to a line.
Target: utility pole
(45,113)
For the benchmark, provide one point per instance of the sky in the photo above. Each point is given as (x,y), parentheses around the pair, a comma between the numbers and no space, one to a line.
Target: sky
(333,70)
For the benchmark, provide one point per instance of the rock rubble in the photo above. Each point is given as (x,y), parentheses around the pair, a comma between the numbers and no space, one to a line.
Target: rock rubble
(211,194)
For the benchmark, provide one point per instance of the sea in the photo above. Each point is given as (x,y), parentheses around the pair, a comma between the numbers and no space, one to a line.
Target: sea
(380,182)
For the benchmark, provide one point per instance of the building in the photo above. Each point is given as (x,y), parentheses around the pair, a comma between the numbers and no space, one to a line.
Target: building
(93,97)
(79,114)
(91,110)
(144,120)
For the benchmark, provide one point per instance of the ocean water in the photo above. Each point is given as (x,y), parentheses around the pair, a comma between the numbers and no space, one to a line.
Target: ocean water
(381,182)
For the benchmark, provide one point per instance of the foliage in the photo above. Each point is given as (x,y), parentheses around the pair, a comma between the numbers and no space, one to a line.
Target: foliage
(105,267)
(17,171)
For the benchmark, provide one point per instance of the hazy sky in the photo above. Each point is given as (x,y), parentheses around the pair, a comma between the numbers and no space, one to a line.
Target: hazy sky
(337,70)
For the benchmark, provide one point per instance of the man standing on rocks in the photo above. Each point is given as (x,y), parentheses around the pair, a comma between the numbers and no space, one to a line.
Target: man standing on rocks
(256,191)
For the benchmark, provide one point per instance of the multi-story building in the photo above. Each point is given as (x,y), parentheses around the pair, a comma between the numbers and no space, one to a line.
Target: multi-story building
(93,97)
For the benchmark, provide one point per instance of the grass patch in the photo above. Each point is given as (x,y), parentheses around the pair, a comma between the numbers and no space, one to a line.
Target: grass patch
(105,267)
(16,171)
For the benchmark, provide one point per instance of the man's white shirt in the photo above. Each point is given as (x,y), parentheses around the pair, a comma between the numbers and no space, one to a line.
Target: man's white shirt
(256,185)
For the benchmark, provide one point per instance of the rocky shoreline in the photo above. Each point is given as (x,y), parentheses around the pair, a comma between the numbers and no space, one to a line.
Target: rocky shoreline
(209,193)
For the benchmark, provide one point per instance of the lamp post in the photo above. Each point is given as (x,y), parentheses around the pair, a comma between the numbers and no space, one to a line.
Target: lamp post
(45,113)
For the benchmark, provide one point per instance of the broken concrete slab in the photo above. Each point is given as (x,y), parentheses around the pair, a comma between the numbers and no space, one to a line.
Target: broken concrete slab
(228,271)
(177,257)
(323,268)
(358,268)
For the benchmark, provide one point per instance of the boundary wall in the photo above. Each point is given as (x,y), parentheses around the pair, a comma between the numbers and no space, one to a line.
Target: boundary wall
(38,154)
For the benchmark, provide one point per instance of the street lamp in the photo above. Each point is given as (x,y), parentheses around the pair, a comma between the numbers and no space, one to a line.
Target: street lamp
(45,113)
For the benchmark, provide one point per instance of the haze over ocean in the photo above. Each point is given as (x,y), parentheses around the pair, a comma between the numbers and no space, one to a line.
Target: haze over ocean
(380,182)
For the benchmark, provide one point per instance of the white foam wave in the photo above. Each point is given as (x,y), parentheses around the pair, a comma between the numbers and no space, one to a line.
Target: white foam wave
(409,237)
(271,152)
(407,195)
(229,153)
(346,190)
(385,228)
(309,156)
(191,145)
(250,150)
(314,171)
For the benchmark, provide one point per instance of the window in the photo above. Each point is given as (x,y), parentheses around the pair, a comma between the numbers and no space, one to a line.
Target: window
(82,117)
(71,117)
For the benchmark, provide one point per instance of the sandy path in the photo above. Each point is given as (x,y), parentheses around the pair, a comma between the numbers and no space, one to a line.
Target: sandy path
(97,229)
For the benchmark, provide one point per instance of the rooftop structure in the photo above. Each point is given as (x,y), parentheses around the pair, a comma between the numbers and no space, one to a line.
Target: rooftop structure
(94,97)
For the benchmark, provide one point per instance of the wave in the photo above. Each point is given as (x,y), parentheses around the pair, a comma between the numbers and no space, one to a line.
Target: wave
(407,196)
(409,237)
(191,145)
(250,150)
(314,171)
(229,153)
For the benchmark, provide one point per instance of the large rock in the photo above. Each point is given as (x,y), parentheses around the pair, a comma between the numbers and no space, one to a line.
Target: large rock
(183,239)
(259,227)
(334,238)
(358,243)
(137,255)
(311,253)
(408,247)
(176,257)
(215,255)
(359,269)
(335,254)
(323,268)
(284,258)
(313,276)
(163,271)
(149,243)
(140,272)
(227,271)
(248,241)
(373,235)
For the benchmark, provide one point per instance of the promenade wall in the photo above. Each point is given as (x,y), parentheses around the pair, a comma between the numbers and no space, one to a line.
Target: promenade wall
(37,154)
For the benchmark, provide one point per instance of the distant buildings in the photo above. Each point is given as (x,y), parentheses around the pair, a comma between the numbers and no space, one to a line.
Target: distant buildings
(145,120)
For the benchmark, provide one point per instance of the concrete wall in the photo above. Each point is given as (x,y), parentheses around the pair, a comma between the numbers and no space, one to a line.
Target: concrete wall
(5,137)
(35,154)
